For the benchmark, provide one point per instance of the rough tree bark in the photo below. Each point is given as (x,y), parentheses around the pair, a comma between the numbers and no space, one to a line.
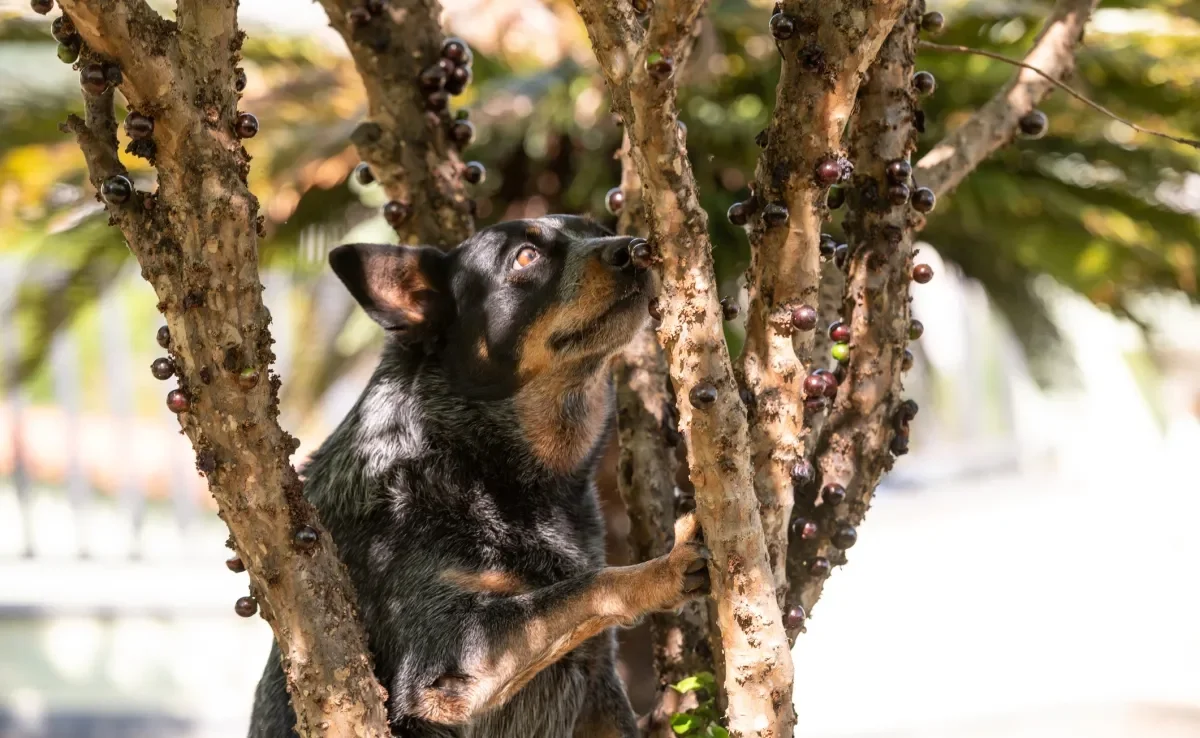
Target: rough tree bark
(195,238)
(823,59)
(411,154)
(854,449)
(638,65)
(646,474)
(995,124)
(857,437)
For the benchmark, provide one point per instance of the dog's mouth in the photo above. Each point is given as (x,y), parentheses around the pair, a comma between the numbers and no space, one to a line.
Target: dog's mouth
(609,326)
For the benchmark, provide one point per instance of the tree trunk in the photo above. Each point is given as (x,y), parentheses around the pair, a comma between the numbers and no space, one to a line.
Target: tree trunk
(196,241)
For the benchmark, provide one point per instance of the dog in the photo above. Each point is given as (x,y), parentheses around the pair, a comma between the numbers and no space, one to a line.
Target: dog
(460,488)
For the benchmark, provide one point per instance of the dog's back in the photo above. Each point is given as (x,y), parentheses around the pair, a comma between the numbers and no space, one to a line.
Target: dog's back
(459,490)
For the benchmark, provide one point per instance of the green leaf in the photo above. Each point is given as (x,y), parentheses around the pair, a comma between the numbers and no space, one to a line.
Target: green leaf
(703,680)
(716,731)
(683,723)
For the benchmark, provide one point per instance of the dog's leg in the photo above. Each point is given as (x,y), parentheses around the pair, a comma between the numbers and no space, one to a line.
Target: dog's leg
(517,636)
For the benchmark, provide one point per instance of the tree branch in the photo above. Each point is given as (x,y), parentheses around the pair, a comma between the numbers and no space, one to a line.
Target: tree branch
(411,154)
(195,239)
(825,51)
(646,473)
(953,48)
(853,452)
(995,124)
(758,663)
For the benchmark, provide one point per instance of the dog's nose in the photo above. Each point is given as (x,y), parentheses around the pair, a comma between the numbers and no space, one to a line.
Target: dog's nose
(625,254)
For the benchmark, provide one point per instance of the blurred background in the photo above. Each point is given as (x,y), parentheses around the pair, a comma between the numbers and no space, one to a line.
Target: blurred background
(1028,570)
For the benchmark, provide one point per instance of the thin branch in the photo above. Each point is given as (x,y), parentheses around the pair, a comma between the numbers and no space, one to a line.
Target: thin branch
(1061,85)
(824,54)
(406,139)
(995,124)
(641,79)
(854,449)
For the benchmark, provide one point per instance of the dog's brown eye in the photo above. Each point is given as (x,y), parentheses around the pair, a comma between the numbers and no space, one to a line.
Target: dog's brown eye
(526,256)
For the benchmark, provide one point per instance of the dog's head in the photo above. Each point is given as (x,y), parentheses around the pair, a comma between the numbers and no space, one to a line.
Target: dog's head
(528,309)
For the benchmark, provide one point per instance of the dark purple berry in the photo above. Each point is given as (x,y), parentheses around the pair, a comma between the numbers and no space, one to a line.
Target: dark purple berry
(474,173)
(703,395)
(640,254)
(899,445)
(1033,124)
(62,29)
(802,472)
(396,212)
(833,494)
(933,22)
(906,362)
(845,537)
(363,173)
(836,198)
(660,67)
(235,565)
(795,617)
(178,402)
(738,213)
(804,318)
(814,404)
(814,385)
(819,567)
(828,172)
(806,529)
(922,273)
(456,50)
(614,200)
(908,410)
(246,606)
(840,254)
(923,200)
(897,194)
(162,368)
(827,245)
(839,332)
(457,80)
(463,133)
(305,538)
(239,80)
(831,382)
(93,79)
(163,337)
(138,126)
(924,83)
(246,125)
(112,73)
(730,308)
(432,78)
(774,214)
(116,190)
(898,171)
(437,101)
(915,329)
(41,6)
(783,26)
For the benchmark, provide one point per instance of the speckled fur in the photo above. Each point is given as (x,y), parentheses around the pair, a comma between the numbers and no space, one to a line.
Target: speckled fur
(432,471)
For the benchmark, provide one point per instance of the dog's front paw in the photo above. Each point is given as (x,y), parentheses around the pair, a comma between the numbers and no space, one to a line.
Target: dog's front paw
(687,563)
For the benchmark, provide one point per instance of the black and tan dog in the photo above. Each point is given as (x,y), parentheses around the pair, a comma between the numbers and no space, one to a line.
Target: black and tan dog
(460,488)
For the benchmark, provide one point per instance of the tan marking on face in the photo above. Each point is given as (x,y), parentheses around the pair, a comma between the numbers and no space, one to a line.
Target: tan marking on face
(488,581)
(549,380)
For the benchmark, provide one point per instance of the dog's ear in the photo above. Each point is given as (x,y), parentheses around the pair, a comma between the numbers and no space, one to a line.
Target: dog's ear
(406,289)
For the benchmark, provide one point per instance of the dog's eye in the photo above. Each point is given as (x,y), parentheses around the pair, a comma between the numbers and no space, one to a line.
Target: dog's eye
(526,256)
